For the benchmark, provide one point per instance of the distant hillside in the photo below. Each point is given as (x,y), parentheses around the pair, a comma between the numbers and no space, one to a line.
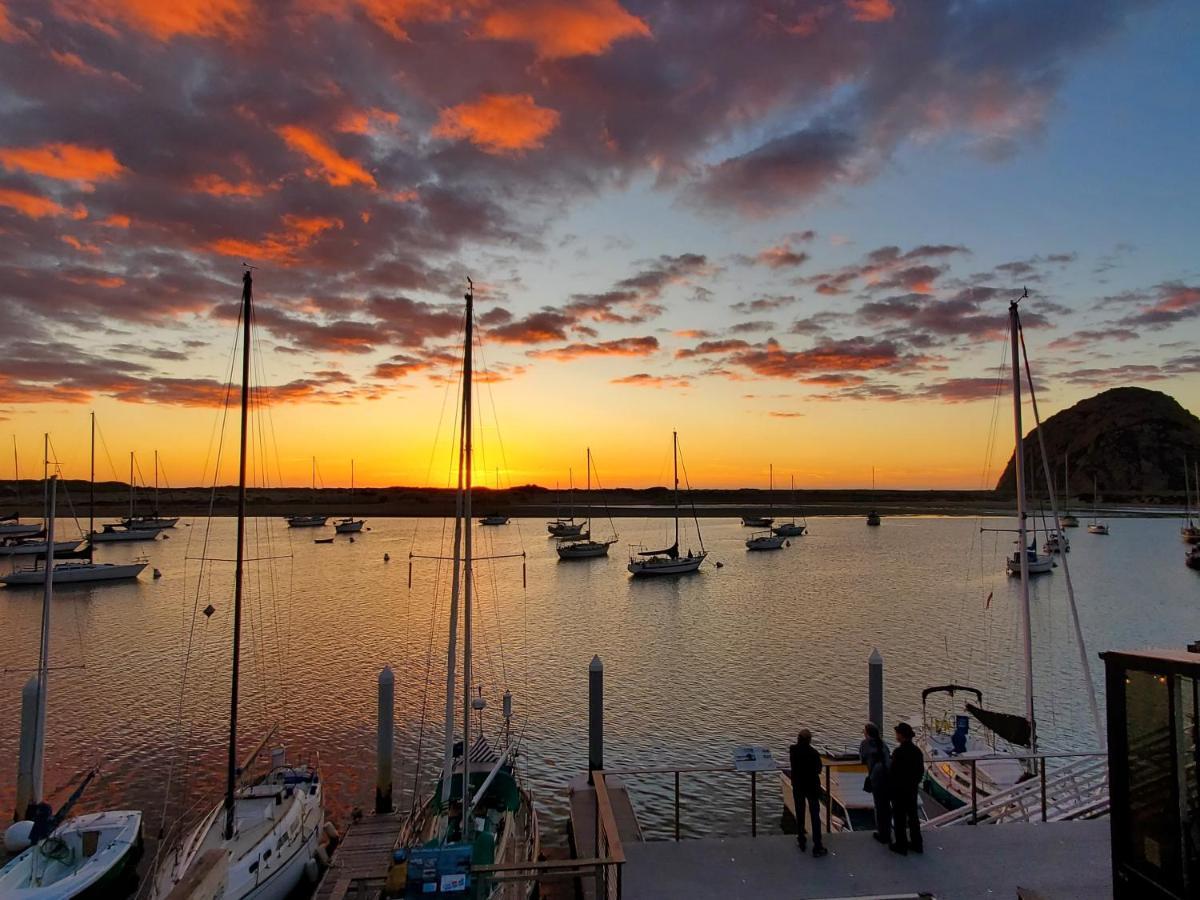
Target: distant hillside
(1132,440)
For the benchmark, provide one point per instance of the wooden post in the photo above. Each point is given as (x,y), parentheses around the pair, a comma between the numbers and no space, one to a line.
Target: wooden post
(875,689)
(385,741)
(595,716)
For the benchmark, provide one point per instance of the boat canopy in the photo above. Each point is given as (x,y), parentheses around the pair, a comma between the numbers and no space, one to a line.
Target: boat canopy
(672,552)
(950,689)
(1013,728)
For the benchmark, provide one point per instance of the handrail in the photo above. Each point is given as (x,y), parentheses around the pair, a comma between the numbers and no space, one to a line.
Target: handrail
(605,819)
(972,811)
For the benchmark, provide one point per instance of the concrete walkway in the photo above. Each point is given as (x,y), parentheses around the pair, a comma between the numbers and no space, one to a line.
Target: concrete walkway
(1061,861)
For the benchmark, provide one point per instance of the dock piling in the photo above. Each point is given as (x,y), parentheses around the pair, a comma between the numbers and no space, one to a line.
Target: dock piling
(383,753)
(875,689)
(595,716)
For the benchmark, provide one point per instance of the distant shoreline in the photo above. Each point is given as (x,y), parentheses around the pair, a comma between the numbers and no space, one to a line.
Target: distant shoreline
(112,501)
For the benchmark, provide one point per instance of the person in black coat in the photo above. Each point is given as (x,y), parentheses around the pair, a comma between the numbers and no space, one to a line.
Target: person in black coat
(878,759)
(806,789)
(908,768)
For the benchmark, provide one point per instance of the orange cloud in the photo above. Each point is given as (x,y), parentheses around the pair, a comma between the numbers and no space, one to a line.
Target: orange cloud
(278,246)
(9,32)
(81,246)
(393,15)
(366,121)
(634,346)
(330,165)
(871,10)
(217,186)
(159,19)
(116,221)
(65,162)
(498,123)
(645,379)
(563,29)
(35,206)
(104,281)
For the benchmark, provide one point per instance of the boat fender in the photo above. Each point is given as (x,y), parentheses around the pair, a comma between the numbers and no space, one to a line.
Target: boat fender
(17,836)
(331,831)
(322,857)
(387,557)
(312,871)
(157,574)
(785,543)
(352,540)
(720,565)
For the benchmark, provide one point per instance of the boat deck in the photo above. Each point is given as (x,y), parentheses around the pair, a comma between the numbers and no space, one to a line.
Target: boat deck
(1064,861)
(365,854)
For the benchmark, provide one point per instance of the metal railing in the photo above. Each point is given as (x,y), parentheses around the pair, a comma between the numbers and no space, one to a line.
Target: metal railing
(1076,790)
(1050,806)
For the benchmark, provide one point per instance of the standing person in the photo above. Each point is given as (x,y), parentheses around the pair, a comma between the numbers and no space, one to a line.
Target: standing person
(908,768)
(878,759)
(806,789)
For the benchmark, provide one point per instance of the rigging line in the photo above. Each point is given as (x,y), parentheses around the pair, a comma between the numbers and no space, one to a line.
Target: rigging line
(692,501)
(1083,657)
(218,435)
(499,436)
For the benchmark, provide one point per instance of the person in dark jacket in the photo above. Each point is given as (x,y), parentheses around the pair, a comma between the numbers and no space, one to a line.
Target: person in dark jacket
(878,759)
(806,789)
(908,768)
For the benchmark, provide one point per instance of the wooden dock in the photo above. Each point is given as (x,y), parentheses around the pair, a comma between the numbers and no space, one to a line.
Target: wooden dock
(360,864)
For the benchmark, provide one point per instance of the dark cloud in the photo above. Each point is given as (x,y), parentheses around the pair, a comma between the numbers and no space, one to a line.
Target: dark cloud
(635,346)
(751,327)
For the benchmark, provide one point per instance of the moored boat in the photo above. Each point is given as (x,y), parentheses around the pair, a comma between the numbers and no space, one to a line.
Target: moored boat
(669,561)
(585,546)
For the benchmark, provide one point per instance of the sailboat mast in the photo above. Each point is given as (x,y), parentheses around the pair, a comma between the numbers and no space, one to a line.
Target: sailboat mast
(17,477)
(130,484)
(588,497)
(351,488)
(231,762)
(1022,553)
(675,462)
(155,513)
(771,490)
(467,571)
(92,494)
(39,726)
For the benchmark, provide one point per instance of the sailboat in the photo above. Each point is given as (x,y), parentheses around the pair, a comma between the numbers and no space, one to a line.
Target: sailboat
(308,520)
(959,762)
(568,527)
(267,829)
(154,520)
(478,813)
(668,561)
(350,525)
(949,754)
(83,571)
(761,521)
(1067,520)
(495,518)
(873,518)
(792,528)
(584,546)
(1056,539)
(10,523)
(1190,532)
(767,540)
(1096,526)
(62,858)
(123,531)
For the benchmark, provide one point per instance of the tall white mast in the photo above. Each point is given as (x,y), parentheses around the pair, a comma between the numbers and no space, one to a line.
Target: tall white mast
(130,484)
(468,575)
(588,498)
(675,462)
(1022,552)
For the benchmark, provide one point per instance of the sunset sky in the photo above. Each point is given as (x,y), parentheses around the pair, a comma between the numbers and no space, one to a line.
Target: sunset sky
(788,229)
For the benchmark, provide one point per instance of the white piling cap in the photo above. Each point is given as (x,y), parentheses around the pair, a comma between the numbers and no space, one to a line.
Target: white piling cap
(875,659)
(386,676)
(596,665)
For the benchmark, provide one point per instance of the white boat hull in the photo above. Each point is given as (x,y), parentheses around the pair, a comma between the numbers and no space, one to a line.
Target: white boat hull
(121,536)
(76,573)
(767,542)
(352,526)
(306,521)
(277,833)
(583,549)
(18,530)
(1097,528)
(28,549)
(494,520)
(59,868)
(950,773)
(664,565)
(790,529)
(1040,566)
(154,522)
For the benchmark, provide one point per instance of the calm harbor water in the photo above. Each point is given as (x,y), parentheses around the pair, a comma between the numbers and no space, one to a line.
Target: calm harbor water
(741,654)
